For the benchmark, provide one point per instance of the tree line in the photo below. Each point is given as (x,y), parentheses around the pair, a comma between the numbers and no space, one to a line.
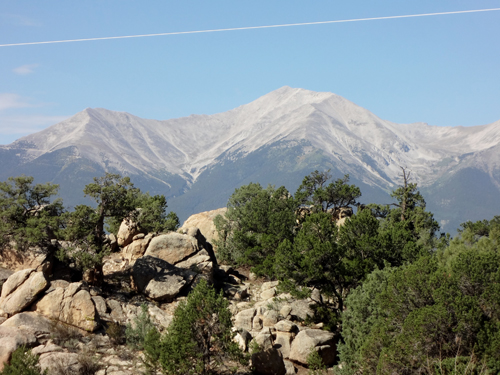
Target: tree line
(402,297)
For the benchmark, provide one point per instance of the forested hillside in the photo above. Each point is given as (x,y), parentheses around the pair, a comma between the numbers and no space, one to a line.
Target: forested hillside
(394,294)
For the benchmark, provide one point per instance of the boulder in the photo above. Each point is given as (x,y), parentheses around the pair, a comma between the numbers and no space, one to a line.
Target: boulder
(270,318)
(135,250)
(100,305)
(60,362)
(32,322)
(159,316)
(301,309)
(263,339)
(200,263)
(72,305)
(21,290)
(268,362)
(128,229)
(244,319)
(314,339)
(283,342)
(268,293)
(12,338)
(286,326)
(172,247)
(159,279)
(204,221)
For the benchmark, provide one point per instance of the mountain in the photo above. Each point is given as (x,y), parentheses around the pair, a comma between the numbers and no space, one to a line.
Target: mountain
(198,161)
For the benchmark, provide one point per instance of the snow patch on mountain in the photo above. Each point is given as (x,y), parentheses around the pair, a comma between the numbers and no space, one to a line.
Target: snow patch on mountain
(341,129)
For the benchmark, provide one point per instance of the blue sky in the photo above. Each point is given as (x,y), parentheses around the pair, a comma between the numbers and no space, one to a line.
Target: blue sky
(443,70)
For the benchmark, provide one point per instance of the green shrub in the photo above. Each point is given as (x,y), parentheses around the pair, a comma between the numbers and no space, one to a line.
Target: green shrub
(115,333)
(440,315)
(23,362)
(199,338)
(315,363)
(135,333)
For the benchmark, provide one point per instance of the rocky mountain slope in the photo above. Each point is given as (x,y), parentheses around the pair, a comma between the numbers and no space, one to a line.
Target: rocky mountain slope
(198,161)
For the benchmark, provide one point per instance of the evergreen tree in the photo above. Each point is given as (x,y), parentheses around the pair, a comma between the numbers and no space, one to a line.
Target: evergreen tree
(27,214)
(255,223)
(199,337)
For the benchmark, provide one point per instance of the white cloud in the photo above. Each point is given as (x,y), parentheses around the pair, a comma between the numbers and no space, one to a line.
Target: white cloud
(27,124)
(9,101)
(25,69)
(19,20)
(17,126)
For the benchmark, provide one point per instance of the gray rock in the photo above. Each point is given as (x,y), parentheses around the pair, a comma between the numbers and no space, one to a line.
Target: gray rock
(72,305)
(283,342)
(172,247)
(21,290)
(264,339)
(313,339)
(54,362)
(100,305)
(116,310)
(32,322)
(257,323)
(163,318)
(128,229)
(300,310)
(290,368)
(286,326)
(270,318)
(268,293)
(244,319)
(159,279)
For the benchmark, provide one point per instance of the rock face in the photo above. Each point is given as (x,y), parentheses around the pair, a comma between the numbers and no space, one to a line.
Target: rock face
(313,339)
(35,257)
(172,247)
(159,279)
(21,290)
(32,322)
(204,221)
(72,305)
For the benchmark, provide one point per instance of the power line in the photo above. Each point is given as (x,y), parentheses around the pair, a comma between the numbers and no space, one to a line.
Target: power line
(251,27)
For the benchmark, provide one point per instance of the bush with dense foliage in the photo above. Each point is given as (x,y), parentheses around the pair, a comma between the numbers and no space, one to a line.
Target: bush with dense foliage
(28,216)
(256,221)
(23,362)
(198,340)
(439,315)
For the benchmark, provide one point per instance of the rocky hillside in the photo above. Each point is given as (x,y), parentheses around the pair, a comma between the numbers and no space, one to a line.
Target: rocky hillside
(78,328)
(198,161)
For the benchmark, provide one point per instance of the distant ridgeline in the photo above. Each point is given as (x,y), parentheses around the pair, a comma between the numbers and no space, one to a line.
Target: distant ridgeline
(198,161)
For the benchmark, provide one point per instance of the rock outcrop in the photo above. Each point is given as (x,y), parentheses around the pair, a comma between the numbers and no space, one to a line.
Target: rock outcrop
(72,305)
(313,339)
(158,279)
(172,247)
(21,290)
(204,221)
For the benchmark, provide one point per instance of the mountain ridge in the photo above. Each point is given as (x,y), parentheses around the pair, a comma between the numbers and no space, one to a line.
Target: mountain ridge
(314,130)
